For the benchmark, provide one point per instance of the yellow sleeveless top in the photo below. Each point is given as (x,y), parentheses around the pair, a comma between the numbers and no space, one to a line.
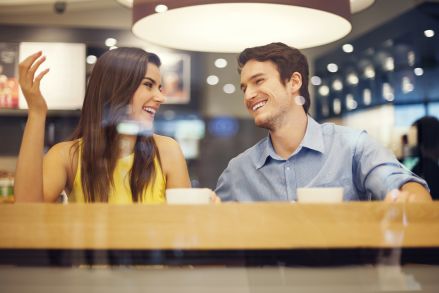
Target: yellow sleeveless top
(121,193)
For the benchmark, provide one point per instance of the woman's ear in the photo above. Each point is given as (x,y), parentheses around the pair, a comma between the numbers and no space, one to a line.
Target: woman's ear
(295,82)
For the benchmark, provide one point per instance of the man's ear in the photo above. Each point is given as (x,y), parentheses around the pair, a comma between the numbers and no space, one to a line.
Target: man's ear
(295,83)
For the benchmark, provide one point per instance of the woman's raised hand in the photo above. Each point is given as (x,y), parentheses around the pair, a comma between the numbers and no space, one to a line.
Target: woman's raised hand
(30,85)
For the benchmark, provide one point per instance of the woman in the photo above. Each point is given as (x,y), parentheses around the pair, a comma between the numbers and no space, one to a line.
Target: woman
(105,162)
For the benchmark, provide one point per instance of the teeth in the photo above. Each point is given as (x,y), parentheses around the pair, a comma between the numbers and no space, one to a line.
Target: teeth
(259,105)
(149,110)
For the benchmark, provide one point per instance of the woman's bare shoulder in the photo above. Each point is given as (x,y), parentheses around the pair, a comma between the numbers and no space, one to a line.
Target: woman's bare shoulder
(165,142)
(172,161)
(168,148)
(64,152)
(64,148)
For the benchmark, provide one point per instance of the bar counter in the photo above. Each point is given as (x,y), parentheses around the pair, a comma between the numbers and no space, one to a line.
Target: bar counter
(223,226)
(219,227)
(229,247)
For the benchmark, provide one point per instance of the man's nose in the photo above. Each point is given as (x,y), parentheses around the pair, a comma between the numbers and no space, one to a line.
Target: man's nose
(249,93)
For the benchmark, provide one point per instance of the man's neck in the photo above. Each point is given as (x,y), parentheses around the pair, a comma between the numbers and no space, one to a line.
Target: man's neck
(287,138)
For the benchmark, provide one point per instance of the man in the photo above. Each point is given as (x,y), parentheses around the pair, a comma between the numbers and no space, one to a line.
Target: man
(299,152)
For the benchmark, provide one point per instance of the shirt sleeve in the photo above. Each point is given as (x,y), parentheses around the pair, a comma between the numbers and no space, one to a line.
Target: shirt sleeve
(224,185)
(376,171)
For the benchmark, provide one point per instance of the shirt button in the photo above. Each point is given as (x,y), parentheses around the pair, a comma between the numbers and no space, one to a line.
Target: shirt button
(288,168)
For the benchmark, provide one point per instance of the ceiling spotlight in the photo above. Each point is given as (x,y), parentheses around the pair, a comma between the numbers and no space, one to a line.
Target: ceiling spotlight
(324,90)
(389,64)
(332,67)
(418,71)
(220,63)
(352,79)
(91,59)
(337,85)
(359,5)
(229,88)
(348,48)
(429,33)
(316,80)
(212,80)
(369,72)
(110,42)
(161,8)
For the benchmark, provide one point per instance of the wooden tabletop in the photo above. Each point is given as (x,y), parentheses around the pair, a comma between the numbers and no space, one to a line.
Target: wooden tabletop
(219,227)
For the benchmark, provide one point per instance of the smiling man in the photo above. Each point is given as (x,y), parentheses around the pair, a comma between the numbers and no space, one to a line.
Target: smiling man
(299,152)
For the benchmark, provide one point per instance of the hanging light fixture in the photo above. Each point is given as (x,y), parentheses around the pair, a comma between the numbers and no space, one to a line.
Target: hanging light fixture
(231,26)
(360,5)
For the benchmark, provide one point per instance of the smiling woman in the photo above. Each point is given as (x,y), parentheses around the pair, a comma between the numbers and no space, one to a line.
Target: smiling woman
(103,162)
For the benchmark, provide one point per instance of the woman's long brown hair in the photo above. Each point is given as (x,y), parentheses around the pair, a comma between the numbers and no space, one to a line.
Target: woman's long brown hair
(115,77)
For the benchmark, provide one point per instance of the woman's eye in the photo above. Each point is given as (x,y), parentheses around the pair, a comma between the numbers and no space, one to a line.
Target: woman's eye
(148,84)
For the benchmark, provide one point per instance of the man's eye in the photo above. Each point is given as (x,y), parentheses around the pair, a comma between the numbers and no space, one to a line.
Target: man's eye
(259,81)
(243,89)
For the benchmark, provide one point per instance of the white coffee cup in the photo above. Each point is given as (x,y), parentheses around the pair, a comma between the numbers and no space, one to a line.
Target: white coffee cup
(188,195)
(320,194)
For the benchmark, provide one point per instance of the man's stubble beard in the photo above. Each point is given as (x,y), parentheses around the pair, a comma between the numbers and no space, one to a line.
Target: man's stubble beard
(272,121)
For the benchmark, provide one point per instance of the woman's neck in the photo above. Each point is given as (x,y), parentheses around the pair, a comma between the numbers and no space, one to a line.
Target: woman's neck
(126,145)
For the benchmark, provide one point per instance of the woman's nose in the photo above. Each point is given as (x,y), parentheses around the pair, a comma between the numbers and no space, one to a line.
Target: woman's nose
(160,97)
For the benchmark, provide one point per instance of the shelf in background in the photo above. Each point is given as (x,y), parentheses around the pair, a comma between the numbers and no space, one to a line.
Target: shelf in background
(51,113)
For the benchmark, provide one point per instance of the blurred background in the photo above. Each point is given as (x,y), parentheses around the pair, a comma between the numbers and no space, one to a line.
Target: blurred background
(382,77)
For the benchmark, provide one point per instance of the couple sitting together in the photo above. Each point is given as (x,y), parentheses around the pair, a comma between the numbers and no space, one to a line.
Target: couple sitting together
(101,163)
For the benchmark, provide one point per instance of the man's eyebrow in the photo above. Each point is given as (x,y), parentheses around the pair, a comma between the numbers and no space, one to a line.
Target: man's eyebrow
(254,76)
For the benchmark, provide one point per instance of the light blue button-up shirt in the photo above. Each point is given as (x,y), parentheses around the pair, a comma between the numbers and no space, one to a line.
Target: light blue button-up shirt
(328,156)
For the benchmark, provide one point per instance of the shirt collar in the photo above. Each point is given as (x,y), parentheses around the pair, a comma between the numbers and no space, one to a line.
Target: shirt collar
(265,150)
(313,140)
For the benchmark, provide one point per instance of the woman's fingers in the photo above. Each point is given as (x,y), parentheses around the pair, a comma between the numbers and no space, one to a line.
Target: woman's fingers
(30,84)
(34,67)
(24,65)
(39,77)
(27,69)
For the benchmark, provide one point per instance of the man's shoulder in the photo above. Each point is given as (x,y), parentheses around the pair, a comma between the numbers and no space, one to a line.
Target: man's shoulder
(252,153)
(339,132)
